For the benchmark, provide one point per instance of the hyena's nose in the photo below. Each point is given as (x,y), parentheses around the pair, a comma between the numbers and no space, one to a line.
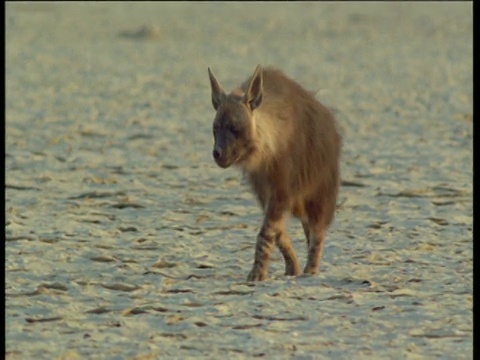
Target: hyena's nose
(217,153)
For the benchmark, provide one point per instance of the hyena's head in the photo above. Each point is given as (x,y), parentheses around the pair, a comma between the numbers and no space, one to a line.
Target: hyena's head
(234,124)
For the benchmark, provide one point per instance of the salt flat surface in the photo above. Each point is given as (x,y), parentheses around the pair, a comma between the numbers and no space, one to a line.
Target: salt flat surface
(125,241)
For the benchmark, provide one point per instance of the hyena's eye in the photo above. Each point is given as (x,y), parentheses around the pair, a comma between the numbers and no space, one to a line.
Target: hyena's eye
(234,131)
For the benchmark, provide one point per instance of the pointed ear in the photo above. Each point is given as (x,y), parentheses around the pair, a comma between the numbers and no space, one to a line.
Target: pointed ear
(254,95)
(218,94)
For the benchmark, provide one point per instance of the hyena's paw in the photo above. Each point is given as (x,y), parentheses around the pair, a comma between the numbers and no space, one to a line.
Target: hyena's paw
(310,270)
(292,270)
(257,275)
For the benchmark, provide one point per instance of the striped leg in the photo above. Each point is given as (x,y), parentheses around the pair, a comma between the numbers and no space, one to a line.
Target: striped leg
(272,229)
(285,246)
(263,249)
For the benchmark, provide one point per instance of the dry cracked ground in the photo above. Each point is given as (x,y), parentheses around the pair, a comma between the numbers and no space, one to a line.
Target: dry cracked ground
(125,241)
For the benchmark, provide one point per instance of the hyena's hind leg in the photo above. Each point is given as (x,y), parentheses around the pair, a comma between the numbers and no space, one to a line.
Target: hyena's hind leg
(314,230)
(284,244)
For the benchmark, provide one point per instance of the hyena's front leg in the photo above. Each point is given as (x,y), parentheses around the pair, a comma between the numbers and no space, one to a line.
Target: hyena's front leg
(285,246)
(263,249)
(315,234)
(272,228)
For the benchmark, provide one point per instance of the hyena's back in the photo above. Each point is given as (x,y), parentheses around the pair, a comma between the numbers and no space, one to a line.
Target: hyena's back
(303,150)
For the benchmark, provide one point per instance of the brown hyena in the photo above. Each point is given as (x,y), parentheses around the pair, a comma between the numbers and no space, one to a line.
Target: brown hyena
(288,146)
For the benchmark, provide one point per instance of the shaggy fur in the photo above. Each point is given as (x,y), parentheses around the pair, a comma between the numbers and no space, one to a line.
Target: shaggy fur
(288,146)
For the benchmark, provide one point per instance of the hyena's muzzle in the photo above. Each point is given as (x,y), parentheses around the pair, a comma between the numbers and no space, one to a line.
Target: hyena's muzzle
(223,155)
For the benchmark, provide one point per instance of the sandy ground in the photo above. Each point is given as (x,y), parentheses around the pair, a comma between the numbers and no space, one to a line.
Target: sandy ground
(123,238)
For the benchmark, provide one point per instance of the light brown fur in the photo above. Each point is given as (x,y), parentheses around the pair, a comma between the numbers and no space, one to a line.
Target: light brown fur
(288,146)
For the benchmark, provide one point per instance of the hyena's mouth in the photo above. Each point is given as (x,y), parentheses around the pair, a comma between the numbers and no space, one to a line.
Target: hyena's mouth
(225,162)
